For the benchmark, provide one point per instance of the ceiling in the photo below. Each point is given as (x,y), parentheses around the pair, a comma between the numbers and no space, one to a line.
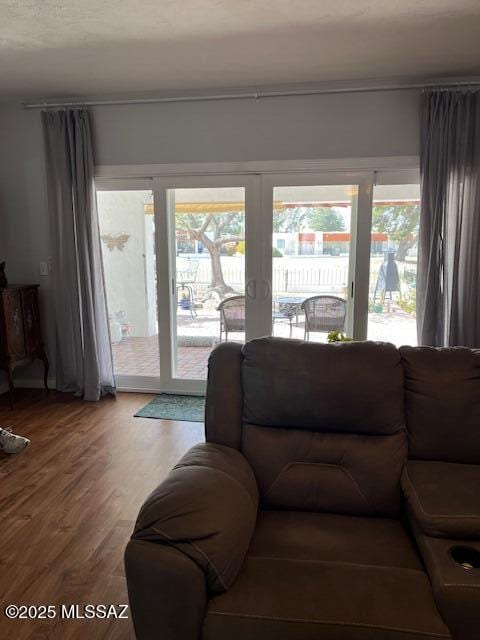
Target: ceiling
(51,48)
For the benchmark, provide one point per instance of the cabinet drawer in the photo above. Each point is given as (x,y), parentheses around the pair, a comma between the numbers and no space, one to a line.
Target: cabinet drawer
(31,319)
(13,322)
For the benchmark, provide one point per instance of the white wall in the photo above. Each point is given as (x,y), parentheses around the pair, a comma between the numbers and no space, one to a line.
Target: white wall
(129,290)
(298,127)
(23,210)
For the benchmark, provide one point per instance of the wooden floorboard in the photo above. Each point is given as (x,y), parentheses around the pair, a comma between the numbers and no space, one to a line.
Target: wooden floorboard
(68,504)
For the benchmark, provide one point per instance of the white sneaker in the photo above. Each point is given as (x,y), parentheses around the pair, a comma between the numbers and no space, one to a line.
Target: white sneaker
(10,443)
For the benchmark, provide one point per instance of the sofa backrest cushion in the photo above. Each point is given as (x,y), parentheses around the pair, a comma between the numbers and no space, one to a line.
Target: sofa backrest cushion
(345,387)
(442,403)
(323,425)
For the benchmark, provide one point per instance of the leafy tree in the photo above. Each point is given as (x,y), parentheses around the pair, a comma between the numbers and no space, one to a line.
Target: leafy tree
(289,219)
(400,222)
(214,231)
(314,218)
(325,219)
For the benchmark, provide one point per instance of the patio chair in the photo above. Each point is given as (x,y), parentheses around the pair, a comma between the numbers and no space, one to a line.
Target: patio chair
(186,280)
(232,315)
(324,314)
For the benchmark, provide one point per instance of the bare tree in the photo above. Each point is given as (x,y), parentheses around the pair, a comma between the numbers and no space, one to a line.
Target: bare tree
(214,231)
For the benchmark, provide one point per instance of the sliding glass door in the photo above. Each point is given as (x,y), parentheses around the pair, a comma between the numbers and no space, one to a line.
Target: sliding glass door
(207,248)
(234,257)
(311,249)
(204,276)
(313,273)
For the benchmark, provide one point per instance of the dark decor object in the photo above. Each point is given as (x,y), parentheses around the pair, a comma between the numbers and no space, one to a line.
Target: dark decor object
(290,520)
(20,331)
(3,276)
(388,280)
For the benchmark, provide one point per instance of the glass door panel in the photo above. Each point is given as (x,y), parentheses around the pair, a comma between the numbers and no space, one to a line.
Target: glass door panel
(393,264)
(311,266)
(127,232)
(207,249)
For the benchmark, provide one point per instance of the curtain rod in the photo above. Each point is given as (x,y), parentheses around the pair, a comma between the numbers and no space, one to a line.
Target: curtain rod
(256,95)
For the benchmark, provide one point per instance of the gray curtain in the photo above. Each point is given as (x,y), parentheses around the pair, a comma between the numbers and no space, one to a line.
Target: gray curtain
(448,290)
(83,351)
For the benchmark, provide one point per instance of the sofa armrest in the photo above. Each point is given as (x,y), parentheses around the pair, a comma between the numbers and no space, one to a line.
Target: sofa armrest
(444,511)
(206,509)
(443,498)
(167,592)
(456,588)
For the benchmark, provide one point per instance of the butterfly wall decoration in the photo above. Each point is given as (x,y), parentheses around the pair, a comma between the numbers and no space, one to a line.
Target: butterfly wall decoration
(118,240)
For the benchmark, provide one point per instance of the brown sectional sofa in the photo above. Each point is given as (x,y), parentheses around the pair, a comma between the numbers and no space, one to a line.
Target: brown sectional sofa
(441,479)
(300,516)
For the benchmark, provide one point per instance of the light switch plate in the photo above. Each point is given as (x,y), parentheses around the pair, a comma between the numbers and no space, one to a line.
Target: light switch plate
(44,268)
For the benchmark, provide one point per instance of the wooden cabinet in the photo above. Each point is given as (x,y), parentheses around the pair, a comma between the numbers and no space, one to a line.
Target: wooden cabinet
(20,330)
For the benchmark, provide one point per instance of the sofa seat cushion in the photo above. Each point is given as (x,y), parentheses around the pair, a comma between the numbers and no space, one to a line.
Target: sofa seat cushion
(327,577)
(325,536)
(444,497)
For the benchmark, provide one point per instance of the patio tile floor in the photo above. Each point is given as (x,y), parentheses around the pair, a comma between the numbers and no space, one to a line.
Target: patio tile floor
(139,357)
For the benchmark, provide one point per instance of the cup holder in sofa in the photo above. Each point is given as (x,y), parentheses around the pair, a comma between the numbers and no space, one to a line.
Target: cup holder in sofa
(467,557)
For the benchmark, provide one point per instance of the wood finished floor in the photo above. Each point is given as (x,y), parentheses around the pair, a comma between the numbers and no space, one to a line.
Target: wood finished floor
(68,504)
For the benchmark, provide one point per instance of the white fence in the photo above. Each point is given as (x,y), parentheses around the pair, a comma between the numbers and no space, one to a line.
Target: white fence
(328,275)
(286,278)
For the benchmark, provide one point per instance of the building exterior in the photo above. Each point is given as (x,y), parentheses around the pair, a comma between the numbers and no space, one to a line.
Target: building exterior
(308,243)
